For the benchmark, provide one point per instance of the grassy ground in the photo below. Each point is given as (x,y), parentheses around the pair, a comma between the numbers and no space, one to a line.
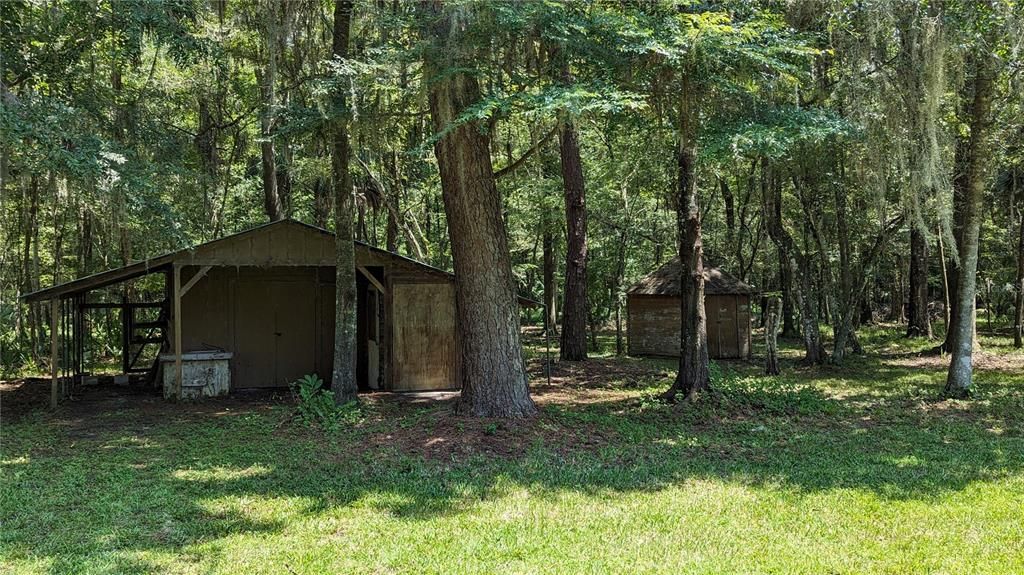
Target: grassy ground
(853,470)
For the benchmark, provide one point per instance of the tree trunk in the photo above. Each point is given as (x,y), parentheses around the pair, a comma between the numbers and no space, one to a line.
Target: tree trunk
(846,298)
(771,330)
(799,265)
(918,323)
(867,314)
(267,79)
(789,325)
(493,374)
(550,288)
(1018,313)
(960,168)
(343,375)
(814,349)
(574,304)
(958,381)
(31,278)
(693,374)
(391,232)
(620,278)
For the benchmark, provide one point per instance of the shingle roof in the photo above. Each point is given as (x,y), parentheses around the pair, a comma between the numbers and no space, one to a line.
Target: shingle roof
(665,281)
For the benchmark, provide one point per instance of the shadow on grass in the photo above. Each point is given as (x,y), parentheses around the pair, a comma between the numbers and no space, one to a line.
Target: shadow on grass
(164,478)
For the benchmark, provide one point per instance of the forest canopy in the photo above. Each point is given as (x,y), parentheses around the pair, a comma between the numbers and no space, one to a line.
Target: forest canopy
(860,161)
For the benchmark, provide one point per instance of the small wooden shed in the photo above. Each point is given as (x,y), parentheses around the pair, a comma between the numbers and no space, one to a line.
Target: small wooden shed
(654,314)
(266,297)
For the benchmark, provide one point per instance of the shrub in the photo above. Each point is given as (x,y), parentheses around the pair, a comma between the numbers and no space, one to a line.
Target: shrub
(315,405)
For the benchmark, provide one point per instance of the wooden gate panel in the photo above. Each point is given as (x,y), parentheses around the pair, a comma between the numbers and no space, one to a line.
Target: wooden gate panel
(423,324)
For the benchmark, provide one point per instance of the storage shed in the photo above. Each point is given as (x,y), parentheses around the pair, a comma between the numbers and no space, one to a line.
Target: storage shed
(263,300)
(654,314)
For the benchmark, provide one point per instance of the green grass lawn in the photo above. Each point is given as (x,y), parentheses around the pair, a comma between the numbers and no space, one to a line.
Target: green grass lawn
(859,469)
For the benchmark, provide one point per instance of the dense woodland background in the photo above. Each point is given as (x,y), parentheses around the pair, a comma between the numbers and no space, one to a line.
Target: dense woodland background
(827,149)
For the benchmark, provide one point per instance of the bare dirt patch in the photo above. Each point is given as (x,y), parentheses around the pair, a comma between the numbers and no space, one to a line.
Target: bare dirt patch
(426,425)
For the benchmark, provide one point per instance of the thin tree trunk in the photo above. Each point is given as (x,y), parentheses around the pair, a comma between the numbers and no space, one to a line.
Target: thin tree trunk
(846,300)
(960,169)
(896,295)
(958,381)
(343,374)
(550,287)
(391,232)
(771,330)
(30,278)
(493,374)
(800,266)
(867,314)
(1018,314)
(620,278)
(945,281)
(574,304)
(693,374)
(789,325)
(918,323)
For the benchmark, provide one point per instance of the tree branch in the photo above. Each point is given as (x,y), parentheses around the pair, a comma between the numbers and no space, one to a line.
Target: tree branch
(526,155)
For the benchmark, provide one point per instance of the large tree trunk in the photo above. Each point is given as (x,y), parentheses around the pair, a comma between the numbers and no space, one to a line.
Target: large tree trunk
(958,380)
(693,374)
(343,375)
(267,78)
(918,323)
(492,371)
(574,305)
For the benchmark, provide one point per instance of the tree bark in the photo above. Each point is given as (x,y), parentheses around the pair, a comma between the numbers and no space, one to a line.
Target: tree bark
(789,325)
(343,374)
(574,304)
(267,78)
(958,380)
(391,231)
(693,374)
(771,330)
(1018,314)
(846,298)
(896,295)
(492,371)
(960,169)
(550,287)
(918,323)
(800,266)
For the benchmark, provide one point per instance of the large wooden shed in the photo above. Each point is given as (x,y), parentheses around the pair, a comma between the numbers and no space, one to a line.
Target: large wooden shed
(654,314)
(265,298)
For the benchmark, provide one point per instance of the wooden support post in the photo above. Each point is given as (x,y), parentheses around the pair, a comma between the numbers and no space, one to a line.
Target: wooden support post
(176,311)
(54,311)
(126,337)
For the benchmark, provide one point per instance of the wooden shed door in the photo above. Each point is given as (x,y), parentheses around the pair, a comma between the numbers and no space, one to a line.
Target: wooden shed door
(275,331)
(424,336)
(722,340)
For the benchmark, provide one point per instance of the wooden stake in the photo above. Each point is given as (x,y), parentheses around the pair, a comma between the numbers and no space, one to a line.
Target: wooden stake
(177,330)
(54,310)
